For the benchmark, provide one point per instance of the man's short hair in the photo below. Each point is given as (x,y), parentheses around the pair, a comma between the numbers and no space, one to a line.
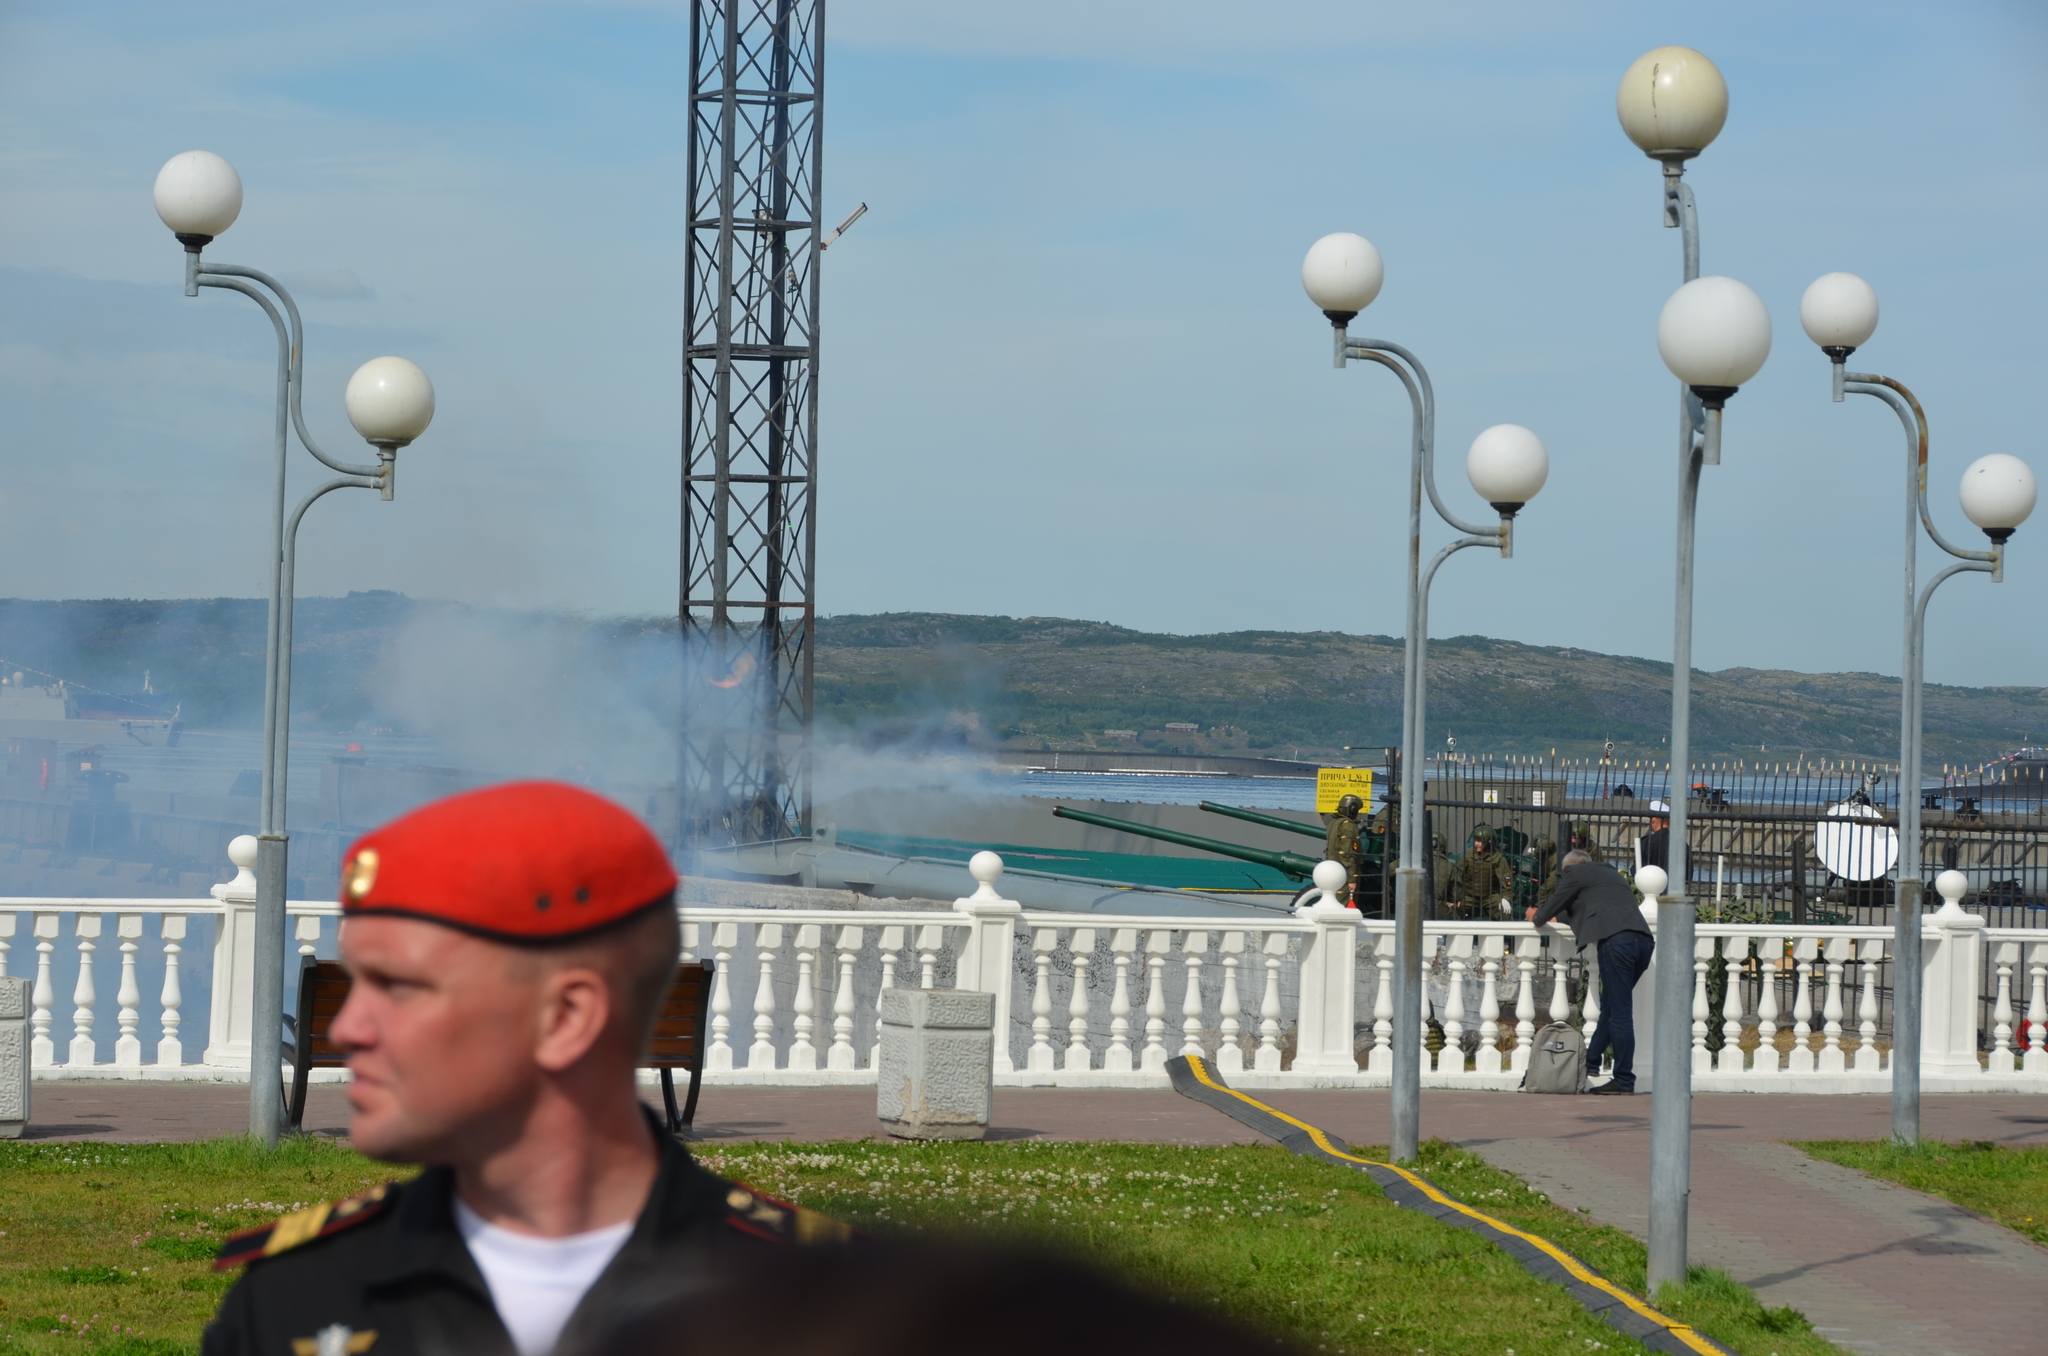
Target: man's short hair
(639,951)
(1577,857)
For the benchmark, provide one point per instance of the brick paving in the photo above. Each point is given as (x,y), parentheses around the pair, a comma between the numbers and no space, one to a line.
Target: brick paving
(1881,1270)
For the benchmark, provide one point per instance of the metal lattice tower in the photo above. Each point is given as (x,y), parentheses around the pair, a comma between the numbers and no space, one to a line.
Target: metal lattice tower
(750,419)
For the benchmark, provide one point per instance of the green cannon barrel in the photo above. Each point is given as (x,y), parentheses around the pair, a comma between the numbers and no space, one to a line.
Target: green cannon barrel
(1254,817)
(1293,865)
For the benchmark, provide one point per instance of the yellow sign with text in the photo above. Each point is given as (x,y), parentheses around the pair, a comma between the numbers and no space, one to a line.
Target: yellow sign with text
(1335,783)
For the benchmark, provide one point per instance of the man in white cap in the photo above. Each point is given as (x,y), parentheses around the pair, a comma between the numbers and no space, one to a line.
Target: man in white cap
(1654,847)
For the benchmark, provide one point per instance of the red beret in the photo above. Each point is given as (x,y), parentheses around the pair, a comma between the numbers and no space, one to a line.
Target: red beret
(527,861)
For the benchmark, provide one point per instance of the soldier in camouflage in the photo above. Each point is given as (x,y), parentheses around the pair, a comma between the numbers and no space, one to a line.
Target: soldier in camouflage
(1578,838)
(1482,878)
(1342,843)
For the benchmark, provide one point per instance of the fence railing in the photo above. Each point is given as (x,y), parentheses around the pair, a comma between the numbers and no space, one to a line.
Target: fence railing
(1093,1000)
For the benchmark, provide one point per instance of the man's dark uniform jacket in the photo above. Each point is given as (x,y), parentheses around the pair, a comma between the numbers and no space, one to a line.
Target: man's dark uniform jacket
(1594,899)
(386,1272)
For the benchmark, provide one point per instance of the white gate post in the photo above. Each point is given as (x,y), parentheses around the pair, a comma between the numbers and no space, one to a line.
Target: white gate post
(1324,1041)
(234,962)
(985,962)
(1948,994)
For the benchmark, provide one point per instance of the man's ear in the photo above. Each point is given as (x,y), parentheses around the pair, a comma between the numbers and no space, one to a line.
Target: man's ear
(574,1010)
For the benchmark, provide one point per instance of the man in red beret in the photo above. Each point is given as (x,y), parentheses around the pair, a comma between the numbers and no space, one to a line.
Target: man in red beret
(509,949)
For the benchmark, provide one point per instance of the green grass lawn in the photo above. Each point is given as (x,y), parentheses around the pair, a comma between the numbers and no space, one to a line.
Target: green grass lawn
(2010,1184)
(105,1248)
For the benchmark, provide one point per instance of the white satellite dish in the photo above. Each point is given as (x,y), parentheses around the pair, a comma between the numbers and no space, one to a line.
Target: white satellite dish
(1855,850)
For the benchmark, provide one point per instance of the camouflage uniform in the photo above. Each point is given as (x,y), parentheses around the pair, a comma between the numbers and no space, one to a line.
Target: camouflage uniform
(1341,844)
(1482,877)
(1440,866)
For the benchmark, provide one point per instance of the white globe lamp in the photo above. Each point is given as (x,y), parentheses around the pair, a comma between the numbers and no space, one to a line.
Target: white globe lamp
(1342,274)
(1507,464)
(1672,103)
(198,195)
(1839,312)
(1998,493)
(390,401)
(1714,334)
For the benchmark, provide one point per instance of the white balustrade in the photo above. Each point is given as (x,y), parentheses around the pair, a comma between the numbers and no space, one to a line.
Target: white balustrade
(1082,947)
(1044,941)
(1247,986)
(2005,956)
(1229,1055)
(842,1057)
(1192,948)
(128,1046)
(1734,950)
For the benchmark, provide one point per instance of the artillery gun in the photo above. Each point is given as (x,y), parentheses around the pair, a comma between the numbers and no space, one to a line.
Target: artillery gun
(1296,866)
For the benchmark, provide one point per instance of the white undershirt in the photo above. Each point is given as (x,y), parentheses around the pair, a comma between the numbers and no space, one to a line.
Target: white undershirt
(536,1283)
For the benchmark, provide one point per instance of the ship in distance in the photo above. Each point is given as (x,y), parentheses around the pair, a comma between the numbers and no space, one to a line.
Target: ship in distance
(40,706)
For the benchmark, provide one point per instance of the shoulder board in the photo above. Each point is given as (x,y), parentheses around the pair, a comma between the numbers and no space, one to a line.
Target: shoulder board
(301,1226)
(764,1216)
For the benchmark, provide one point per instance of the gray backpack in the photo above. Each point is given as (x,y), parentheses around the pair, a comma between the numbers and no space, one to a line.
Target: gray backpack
(1558,1063)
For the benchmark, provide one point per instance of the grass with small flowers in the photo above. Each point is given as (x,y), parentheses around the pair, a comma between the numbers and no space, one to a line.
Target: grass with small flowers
(2006,1182)
(104,1249)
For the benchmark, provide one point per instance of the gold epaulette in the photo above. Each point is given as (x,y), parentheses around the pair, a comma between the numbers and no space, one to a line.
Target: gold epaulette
(301,1226)
(779,1221)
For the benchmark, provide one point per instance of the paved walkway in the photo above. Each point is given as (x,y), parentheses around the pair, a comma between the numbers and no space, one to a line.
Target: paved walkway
(1881,1270)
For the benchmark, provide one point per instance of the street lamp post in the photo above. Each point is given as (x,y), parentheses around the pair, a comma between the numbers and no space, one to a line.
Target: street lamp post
(1839,312)
(390,402)
(1714,334)
(1507,465)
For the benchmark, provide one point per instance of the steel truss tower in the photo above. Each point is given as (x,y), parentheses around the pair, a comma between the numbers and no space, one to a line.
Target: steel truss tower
(750,419)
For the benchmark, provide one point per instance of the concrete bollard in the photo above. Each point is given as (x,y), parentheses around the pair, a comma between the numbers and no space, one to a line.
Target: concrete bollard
(14,1057)
(935,1076)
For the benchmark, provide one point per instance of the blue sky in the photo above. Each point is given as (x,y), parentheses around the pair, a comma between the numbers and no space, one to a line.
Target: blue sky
(1068,367)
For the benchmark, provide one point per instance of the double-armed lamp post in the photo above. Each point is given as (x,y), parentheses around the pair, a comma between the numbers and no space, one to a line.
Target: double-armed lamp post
(390,402)
(1507,465)
(1839,313)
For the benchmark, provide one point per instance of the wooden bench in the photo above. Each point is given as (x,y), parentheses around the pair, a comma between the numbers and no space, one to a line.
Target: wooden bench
(677,1043)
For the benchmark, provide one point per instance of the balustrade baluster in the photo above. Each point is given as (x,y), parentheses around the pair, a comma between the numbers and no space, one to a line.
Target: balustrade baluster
(1041,1059)
(1488,1059)
(1192,947)
(1868,956)
(1805,966)
(892,943)
(2036,1058)
(6,933)
(842,1056)
(1229,1054)
(1702,957)
(1452,1060)
(1589,1010)
(1082,946)
(1560,980)
(1734,950)
(691,937)
(128,998)
(43,1051)
(931,939)
(767,940)
(724,937)
(1267,1060)
(1770,955)
(83,1054)
(802,1054)
(170,1051)
(1157,943)
(1381,1060)
(2002,1061)
(1831,1058)
(1117,1059)
(1527,949)
(306,931)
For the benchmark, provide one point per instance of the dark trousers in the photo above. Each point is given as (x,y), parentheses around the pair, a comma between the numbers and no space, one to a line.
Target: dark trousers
(1623,958)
